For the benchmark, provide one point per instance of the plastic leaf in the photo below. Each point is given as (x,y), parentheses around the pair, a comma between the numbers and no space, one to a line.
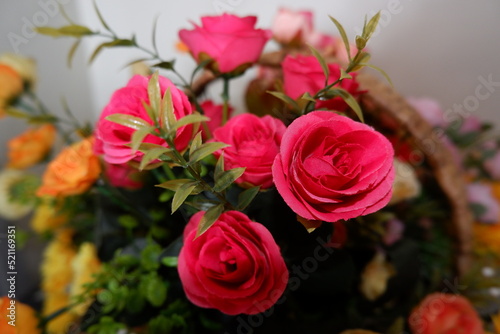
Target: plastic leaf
(371,26)
(349,99)
(139,135)
(175,184)
(344,74)
(219,167)
(49,31)
(227,178)
(129,121)
(246,197)
(205,150)
(167,117)
(154,93)
(182,193)
(195,143)
(115,43)
(322,62)
(152,155)
(285,98)
(378,69)
(101,19)
(209,218)
(150,111)
(307,97)
(75,30)
(72,51)
(167,65)
(189,119)
(343,34)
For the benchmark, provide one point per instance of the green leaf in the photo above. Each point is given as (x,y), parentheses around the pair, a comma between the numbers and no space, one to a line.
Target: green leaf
(154,94)
(349,99)
(101,19)
(167,116)
(246,197)
(360,59)
(49,31)
(167,65)
(344,74)
(153,35)
(307,97)
(200,66)
(75,30)
(17,113)
(322,62)
(205,150)
(209,218)
(115,43)
(72,51)
(182,194)
(153,154)
(369,28)
(285,98)
(381,71)
(360,42)
(189,119)
(175,184)
(139,135)
(219,167)
(227,178)
(170,261)
(155,289)
(129,121)
(128,221)
(195,143)
(343,34)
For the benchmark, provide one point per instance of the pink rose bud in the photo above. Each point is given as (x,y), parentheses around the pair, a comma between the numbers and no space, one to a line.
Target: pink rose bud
(113,140)
(331,168)
(292,27)
(230,41)
(255,142)
(235,266)
(303,74)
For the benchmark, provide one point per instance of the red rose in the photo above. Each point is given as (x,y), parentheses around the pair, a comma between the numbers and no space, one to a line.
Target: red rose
(235,266)
(331,167)
(229,40)
(445,313)
(254,144)
(113,139)
(304,74)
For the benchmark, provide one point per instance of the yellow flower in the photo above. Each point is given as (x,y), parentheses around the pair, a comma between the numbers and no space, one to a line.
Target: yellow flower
(47,217)
(10,209)
(85,265)
(26,321)
(487,238)
(496,323)
(375,276)
(56,267)
(26,67)
(31,146)
(406,184)
(54,302)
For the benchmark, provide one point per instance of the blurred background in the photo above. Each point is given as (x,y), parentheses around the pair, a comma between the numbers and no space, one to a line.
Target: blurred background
(447,50)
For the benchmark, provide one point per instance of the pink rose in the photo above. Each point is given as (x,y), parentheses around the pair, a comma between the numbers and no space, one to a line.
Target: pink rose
(482,194)
(123,176)
(292,27)
(214,112)
(112,139)
(331,167)
(230,41)
(254,144)
(304,74)
(430,110)
(235,266)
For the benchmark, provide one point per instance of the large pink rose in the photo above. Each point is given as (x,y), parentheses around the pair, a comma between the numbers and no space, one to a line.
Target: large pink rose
(292,27)
(331,167)
(254,144)
(235,266)
(303,74)
(229,40)
(113,139)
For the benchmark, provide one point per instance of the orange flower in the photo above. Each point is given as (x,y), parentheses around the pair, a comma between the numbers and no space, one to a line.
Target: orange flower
(11,83)
(487,238)
(25,319)
(31,146)
(72,172)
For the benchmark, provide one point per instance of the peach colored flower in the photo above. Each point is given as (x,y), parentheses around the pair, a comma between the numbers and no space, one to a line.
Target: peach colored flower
(31,146)
(72,172)
(26,321)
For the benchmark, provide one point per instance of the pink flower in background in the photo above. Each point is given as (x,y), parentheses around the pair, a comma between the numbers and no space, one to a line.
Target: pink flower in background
(123,176)
(331,168)
(112,139)
(235,266)
(470,124)
(254,144)
(430,110)
(304,74)
(214,111)
(482,194)
(492,166)
(394,231)
(292,27)
(229,40)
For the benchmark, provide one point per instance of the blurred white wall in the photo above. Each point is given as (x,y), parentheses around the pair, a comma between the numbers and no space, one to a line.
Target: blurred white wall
(443,49)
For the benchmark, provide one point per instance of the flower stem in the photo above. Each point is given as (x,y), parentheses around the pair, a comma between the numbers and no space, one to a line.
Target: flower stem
(225,99)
